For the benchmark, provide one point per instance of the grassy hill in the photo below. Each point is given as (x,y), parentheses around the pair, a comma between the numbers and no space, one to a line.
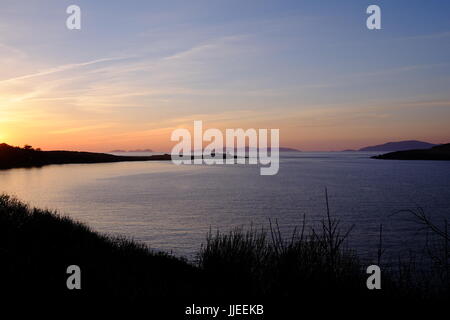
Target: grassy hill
(36,247)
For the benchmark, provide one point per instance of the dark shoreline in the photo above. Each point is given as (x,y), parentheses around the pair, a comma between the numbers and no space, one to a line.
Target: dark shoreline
(441,153)
(15,157)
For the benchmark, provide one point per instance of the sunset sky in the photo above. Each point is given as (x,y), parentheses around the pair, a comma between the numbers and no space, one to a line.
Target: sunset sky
(139,69)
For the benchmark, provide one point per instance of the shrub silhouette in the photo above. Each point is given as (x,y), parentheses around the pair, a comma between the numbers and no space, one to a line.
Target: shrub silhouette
(36,247)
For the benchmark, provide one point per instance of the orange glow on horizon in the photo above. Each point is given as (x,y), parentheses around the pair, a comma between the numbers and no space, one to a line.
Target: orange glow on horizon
(55,137)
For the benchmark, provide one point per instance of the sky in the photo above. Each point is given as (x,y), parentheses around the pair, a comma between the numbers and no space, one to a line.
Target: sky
(137,70)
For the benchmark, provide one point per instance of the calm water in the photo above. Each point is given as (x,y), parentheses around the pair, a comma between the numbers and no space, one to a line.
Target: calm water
(172,207)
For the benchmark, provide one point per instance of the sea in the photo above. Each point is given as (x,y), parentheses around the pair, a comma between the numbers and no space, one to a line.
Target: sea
(172,207)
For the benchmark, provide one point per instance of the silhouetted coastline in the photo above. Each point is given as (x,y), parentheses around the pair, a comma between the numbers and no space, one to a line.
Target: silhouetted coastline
(27,157)
(441,152)
(15,157)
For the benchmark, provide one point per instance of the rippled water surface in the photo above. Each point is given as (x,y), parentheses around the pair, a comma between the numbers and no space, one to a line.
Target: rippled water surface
(172,207)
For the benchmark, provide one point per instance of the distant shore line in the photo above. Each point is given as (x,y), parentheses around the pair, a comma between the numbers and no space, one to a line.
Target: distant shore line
(27,157)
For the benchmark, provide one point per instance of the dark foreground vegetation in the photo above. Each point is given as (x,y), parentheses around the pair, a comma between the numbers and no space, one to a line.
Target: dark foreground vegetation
(15,157)
(36,247)
(441,152)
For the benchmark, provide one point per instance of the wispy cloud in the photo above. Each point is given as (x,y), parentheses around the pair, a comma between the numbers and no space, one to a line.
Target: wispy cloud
(60,69)
(438,35)
(402,69)
(217,45)
(12,51)
(83,128)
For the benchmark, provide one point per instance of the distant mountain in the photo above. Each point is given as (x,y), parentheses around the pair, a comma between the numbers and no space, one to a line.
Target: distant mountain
(284,149)
(281,149)
(247,149)
(440,152)
(137,150)
(400,146)
(141,150)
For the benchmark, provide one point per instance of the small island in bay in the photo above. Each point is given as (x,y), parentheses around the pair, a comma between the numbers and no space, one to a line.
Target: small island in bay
(440,152)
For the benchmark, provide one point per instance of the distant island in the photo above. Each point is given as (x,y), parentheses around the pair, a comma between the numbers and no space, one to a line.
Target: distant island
(285,149)
(269,149)
(440,152)
(126,151)
(16,157)
(399,146)
(281,149)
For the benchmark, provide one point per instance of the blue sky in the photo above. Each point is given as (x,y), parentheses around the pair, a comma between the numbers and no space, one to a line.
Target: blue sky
(138,69)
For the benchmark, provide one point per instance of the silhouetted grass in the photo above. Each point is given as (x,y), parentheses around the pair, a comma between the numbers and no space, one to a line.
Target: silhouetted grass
(426,274)
(36,247)
(264,262)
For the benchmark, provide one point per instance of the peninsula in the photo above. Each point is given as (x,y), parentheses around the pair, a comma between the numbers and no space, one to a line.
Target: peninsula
(440,152)
(16,157)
